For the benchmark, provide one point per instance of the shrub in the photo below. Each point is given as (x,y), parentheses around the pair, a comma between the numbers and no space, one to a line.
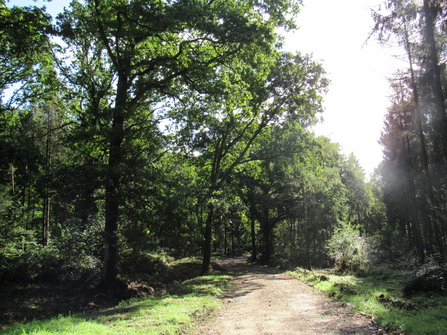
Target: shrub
(349,250)
(71,256)
(430,279)
(36,263)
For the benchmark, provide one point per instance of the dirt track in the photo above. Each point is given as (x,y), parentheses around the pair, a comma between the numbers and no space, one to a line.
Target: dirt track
(265,301)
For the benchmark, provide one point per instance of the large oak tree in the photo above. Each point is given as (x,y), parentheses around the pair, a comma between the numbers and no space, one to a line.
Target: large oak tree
(153,51)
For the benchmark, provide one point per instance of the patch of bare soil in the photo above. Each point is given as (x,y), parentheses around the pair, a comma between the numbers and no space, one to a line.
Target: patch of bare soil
(266,301)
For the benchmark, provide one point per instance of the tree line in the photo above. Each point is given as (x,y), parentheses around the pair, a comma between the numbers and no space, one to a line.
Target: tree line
(129,127)
(414,138)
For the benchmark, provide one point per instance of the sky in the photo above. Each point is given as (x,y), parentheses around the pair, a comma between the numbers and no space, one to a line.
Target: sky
(335,33)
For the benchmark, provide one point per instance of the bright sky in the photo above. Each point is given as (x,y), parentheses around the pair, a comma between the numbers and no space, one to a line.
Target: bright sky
(335,33)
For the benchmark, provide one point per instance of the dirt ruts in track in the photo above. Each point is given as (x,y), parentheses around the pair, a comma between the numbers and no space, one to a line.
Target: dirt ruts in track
(266,301)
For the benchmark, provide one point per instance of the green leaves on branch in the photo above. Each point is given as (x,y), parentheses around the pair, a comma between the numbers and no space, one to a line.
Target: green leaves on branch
(25,56)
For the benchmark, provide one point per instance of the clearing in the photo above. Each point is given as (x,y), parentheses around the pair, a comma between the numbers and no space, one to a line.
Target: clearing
(268,301)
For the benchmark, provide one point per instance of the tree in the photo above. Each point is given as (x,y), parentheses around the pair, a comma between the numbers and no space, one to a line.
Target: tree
(27,115)
(419,113)
(290,91)
(154,51)
(311,189)
(24,49)
(268,185)
(323,200)
(431,9)
(24,39)
(352,176)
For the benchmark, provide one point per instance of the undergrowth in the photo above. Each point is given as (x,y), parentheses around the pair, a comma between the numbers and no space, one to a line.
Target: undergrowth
(165,314)
(379,295)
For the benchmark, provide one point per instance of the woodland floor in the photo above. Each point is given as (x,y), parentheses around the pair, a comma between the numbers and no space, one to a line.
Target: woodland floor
(26,301)
(262,301)
(266,301)
(23,302)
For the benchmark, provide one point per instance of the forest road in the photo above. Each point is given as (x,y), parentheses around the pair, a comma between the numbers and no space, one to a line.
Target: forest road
(266,301)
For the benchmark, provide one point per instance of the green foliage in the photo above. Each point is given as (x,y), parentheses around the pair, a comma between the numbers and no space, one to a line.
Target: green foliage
(68,257)
(429,279)
(349,250)
(84,158)
(79,249)
(144,266)
(24,33)
(34,264)
(49,264)
(321,187)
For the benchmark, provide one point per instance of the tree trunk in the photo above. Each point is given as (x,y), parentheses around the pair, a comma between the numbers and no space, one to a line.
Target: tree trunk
(110,269)
(440,106)
(207,243)
(438,91)
(13,184)
(46,219)
(417,238)
(307,236)
(267,252)
(232,238)
(292,239)
(225,238)
(46,200)
(254,252)
(267,237)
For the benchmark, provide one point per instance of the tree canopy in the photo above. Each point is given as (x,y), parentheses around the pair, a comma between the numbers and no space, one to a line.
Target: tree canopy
(130,127)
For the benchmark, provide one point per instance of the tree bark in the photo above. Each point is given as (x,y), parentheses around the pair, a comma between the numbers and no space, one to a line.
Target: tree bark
(46,219)
(110,269)
(438,91)
(225,238)
(46,207)
(267,252)
(414,235)
(440,106)
(307,236)
(232,238)
(292,238)
(207,242)
(431,219)
(13,184)
(254,252)
(267,237)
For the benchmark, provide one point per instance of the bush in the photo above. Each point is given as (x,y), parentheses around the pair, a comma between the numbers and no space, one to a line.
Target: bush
(80,250)
(430,279)
(349,250)
(36,263)
(143,266)
(67,258)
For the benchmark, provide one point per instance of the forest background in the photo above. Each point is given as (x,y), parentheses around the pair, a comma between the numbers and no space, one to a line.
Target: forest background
(135,127)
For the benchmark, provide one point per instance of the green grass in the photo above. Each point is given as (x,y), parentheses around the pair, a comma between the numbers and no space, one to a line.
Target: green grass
(169,314)
(423,316)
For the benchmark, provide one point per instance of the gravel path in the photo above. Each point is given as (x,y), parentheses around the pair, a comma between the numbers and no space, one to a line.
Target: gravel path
(265,301)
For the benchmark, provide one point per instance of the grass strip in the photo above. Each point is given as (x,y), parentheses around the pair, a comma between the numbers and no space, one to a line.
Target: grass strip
(380,296)
(168,314)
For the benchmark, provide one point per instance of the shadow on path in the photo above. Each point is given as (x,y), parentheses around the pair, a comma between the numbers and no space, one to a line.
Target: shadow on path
(245,275)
